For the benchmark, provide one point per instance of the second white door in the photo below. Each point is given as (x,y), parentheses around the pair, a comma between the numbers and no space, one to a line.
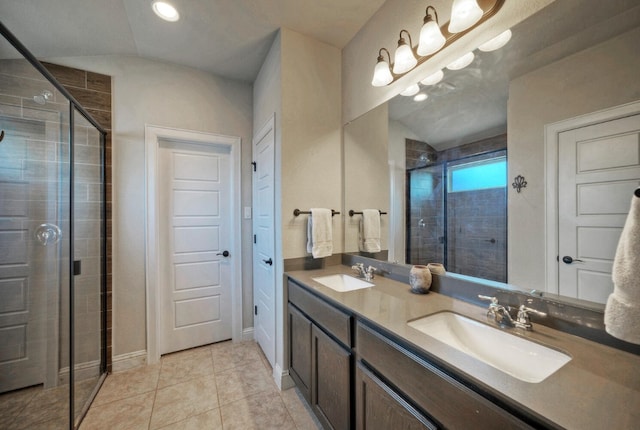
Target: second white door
(598,170)
(194,224)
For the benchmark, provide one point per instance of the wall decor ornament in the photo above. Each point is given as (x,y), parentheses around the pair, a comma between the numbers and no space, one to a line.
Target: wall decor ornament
(519,183)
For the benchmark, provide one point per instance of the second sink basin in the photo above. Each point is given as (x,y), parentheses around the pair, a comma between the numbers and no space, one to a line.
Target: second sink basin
(518,357)
(342,283)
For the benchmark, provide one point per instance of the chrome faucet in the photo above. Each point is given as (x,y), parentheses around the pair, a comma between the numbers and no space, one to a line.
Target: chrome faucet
(502,316)
(367,273)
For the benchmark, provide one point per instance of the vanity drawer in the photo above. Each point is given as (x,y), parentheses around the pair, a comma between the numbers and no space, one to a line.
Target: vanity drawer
(331,319)
(451,404)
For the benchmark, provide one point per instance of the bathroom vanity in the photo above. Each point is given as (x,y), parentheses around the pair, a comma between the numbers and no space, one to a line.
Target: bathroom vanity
(360,364)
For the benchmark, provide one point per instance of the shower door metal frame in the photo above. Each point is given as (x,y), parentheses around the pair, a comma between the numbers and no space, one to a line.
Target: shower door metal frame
(74,106)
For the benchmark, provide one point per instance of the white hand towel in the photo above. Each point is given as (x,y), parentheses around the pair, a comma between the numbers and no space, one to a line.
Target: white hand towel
(320,233)
(370,231)
(622,313)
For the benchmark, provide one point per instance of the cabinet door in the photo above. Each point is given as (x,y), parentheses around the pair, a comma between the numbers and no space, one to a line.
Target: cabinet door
(331,391)
(379,407)
(300,351)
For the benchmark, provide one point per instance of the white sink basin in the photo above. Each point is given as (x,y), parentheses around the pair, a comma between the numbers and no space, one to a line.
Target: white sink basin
(342,283)
(520,358)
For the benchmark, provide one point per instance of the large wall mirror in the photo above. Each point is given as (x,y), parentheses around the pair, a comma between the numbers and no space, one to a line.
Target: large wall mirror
(556,107)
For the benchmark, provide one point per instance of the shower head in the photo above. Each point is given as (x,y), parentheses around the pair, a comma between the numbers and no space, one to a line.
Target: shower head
(42,98)
(428,157)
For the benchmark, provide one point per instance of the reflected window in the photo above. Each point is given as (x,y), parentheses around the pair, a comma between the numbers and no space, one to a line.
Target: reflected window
(479,175)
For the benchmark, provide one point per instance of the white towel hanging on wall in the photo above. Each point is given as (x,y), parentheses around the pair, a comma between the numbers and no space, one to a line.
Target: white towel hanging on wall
(370,231)
(320,233)
(622,313)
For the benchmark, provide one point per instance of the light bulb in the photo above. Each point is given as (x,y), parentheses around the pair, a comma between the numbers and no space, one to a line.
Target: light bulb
(433,78)
(461,62)
(464,13)
(381,74)
(497,42)
(404,60)
(431,38)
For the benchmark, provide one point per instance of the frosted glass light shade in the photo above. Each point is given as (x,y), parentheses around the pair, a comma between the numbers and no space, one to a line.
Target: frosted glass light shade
(464,13)
(433,79)
(381,74)
(404,60)
(462,62)
(431,39)
(497,42)
(411,91)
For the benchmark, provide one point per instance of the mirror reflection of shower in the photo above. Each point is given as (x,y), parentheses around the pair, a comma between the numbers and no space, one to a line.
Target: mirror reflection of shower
(456,208)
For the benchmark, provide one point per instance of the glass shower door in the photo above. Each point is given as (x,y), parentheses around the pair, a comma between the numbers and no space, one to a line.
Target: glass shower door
(34,204)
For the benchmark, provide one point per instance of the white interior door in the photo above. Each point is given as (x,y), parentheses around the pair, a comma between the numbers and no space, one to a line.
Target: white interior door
(264,282)
(598,170)
(194,224)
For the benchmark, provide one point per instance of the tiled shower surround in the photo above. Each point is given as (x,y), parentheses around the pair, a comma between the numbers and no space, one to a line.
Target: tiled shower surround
(34,186)
(476,221)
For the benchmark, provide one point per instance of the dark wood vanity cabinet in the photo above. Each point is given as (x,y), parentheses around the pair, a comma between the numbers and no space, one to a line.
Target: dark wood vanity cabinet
(446,402)
(320,358)
(380,407)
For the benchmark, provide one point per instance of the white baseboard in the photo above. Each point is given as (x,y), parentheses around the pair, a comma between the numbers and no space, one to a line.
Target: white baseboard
(282,378)
(247,334)
(129,360)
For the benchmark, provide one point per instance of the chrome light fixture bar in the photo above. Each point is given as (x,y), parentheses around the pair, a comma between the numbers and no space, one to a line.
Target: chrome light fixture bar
(465,16)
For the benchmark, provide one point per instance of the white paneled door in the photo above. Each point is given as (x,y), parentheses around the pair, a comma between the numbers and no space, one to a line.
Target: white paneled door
(194,234)
(264,281)
(598,170)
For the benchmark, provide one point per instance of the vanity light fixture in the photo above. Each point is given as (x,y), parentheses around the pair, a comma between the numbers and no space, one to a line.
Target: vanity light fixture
(497,42)
(464,14)
(433,78)
(411,91)
(431,38)
(461,62)
(165,10)
(404,60)
(382,73)
(420,97)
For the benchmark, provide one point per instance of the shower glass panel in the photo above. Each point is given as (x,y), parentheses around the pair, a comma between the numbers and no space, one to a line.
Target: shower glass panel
(457,215)
(52,337)
(34,244)
(88,241)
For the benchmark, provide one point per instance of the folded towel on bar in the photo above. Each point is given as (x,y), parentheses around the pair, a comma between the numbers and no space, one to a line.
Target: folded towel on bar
(622,313)
(320,233)
(370,231)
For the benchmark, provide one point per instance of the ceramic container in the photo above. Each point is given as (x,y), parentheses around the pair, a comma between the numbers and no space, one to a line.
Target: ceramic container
(420,279)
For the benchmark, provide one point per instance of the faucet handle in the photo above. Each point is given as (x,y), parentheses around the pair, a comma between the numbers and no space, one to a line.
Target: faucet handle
(523,320)
(493,300)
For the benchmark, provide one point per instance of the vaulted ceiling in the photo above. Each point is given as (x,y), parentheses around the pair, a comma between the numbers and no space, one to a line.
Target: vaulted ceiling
(229,38)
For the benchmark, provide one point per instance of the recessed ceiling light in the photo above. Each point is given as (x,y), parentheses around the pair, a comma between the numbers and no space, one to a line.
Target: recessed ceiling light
(420,97)
(165,11)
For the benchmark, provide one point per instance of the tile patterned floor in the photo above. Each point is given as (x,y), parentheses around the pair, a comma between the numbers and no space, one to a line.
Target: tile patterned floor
(221,386)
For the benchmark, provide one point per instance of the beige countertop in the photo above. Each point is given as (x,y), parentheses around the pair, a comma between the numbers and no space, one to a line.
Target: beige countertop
(598,389)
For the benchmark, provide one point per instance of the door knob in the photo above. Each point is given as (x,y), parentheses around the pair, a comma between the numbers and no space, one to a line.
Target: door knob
(269,261)
(568,260)
(224,253)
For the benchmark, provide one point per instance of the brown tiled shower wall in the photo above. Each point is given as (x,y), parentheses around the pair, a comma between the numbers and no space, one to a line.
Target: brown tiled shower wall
(93,92)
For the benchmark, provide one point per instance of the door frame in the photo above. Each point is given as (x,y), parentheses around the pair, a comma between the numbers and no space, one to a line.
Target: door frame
(551,141)
(153,135)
